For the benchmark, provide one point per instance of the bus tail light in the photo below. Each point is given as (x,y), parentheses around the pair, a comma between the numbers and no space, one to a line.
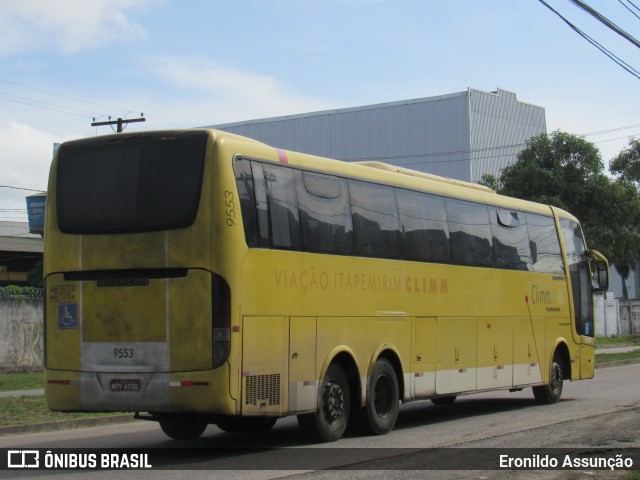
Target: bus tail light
(62,382)
(221,321)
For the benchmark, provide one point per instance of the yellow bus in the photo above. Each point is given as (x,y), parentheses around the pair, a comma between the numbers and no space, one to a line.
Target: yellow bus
(197,277)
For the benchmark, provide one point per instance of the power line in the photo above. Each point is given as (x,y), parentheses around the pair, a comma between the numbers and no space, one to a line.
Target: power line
(44,105)
(633,5)
(605,21)
(610,130)
(593,42)
(486,149)
(632,12)
(22,188)
(75,99)
(627,137)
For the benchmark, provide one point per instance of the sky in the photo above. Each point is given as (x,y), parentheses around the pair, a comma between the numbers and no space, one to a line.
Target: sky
(189,63)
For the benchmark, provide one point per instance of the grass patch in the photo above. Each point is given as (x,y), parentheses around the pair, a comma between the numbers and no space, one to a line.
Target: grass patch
(33,410)
(619,340)
(21,381)
(631,340)
(616,357)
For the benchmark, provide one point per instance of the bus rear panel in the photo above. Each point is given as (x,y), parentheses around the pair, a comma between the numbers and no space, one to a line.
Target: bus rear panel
(134,315)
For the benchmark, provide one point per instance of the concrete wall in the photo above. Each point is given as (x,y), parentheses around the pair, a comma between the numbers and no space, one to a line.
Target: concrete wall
(21,339)
(606,316)
(629,311)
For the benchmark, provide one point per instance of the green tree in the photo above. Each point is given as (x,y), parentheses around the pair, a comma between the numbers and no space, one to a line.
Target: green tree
(491,182)
(567,171)
(627,163)
(35,276)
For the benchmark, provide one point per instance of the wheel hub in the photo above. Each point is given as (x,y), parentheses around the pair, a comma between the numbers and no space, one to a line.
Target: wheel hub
(334,402)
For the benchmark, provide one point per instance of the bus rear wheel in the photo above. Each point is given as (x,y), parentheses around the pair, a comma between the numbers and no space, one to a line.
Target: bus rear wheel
(246,424)
(383,402)
(182,427)
(551,393)
(329,423)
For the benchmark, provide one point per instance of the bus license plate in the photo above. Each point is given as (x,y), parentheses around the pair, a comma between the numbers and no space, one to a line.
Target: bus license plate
(128,385)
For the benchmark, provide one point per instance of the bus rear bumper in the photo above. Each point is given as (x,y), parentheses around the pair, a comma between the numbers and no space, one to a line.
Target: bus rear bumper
(186,392)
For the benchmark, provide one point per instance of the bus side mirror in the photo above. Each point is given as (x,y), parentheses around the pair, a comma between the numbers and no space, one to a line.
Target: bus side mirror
(601,274)
(602,277)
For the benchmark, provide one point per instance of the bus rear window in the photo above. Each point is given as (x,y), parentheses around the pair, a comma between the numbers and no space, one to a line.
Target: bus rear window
(130,184)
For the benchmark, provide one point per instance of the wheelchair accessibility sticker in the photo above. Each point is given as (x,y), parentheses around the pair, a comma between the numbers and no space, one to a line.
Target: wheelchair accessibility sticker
(68,315)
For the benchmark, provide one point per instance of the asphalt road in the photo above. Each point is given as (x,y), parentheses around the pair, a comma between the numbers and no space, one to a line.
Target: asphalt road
(599,413)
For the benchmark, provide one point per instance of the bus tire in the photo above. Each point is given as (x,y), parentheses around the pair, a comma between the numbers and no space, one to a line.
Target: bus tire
(182,427)
(246,424)
(329,423)
(383,401)
(548,394)
(448,400)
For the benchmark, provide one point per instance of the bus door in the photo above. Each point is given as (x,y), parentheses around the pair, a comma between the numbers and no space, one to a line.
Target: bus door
(582,293)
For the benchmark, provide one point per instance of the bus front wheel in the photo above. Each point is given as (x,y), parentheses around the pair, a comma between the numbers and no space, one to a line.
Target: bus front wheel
(182,427)
(383,401)
(548,394)
(330,421)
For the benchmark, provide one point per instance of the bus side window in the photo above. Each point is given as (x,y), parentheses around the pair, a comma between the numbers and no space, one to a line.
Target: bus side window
(244,181)
(283,207)
(425,232)
(325,216)
(375,220)
(262,209)
(544,243)
(470,233)
(510,240)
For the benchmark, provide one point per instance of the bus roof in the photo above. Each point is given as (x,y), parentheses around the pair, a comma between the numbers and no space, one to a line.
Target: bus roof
(380,172)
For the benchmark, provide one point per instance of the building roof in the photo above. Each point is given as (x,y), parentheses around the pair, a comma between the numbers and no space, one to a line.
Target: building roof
(15,237)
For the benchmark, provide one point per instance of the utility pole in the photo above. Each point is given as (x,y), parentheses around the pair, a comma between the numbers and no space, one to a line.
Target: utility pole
(121,123)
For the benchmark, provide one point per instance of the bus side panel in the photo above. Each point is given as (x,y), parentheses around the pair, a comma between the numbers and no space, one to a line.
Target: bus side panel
(526,363)
(457,354)
(424,357)
(495,352)
(587,358)
(303,386)
(264,365)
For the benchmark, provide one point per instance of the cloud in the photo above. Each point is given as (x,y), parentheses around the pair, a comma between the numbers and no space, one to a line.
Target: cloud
(219,94)
(71,26)
(26,157)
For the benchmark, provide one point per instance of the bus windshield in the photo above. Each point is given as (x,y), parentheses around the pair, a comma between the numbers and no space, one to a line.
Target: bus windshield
(142,183)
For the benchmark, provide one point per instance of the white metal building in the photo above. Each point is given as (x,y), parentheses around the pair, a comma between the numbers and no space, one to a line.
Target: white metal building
(19,251)
(460,135)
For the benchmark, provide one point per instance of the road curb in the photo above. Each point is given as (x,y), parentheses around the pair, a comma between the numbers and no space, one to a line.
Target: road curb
(66,424)
(619,363)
